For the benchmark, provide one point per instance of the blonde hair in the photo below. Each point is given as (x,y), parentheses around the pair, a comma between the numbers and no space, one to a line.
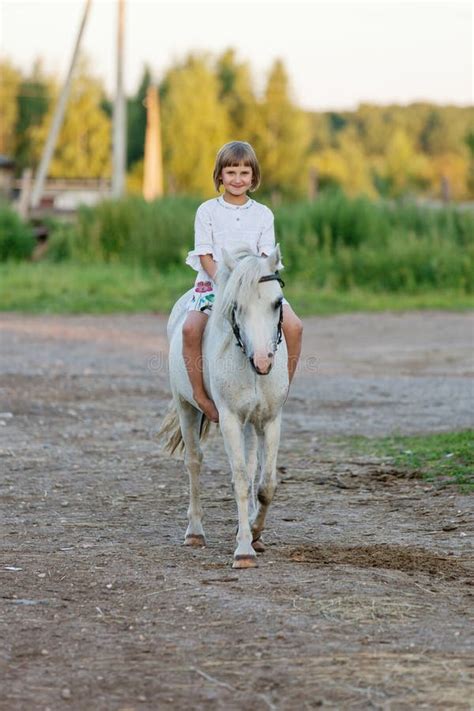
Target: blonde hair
(236,153)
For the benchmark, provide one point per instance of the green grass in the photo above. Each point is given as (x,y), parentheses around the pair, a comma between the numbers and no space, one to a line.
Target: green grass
(341,255)
(106,288)
(97,288)
(447,457)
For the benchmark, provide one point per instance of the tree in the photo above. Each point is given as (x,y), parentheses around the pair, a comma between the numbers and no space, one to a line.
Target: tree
(405,169)
(10,78)
(374,128)
(33,100)
(358,167)
(136,120)
(345,166)
(450,173)
(284,137)
(237,94)
(321,136)
(469,140)
(195,125)
(443,131)
(84,142)
(331,168)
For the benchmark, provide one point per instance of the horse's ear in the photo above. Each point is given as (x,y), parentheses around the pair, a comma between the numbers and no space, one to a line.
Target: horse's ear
(229,262)
(274,259)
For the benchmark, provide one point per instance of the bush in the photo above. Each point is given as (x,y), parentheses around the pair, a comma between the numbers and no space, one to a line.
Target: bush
(132,231)
(61,242)
(17,240)
(341,243)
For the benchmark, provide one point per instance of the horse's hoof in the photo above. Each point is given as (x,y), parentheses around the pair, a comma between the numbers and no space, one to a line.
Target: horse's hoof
(245,561)
(194,539)
(258,545)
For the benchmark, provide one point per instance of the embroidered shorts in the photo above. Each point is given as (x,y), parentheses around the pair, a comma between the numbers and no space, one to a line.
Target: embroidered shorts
(203,297)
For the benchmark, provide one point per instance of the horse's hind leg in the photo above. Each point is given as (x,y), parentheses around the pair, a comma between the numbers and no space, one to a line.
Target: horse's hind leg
(190,421)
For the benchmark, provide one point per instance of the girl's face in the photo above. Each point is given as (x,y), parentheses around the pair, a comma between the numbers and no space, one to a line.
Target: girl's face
(237,179)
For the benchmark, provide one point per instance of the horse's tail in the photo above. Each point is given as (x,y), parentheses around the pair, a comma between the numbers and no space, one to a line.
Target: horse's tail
(171,435)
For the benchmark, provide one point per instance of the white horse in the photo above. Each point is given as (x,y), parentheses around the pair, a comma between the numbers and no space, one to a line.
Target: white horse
(248,382)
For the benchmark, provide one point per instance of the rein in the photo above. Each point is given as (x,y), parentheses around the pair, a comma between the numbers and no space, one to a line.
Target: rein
(235,325)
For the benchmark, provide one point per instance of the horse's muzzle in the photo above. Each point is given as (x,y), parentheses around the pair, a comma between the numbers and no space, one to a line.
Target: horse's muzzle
(257,370)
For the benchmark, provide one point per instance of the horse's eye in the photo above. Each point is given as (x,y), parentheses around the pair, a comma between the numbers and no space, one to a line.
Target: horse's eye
(277,304)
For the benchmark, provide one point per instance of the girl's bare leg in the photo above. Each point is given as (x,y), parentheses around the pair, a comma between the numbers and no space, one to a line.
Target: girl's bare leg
(293,332)
(193,330)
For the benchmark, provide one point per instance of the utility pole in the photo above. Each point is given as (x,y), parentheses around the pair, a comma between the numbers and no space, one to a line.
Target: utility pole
(119,117)
(24,199)
(58,117)
(153,170)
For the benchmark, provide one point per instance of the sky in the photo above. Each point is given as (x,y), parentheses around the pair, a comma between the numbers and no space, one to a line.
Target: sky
(338,54)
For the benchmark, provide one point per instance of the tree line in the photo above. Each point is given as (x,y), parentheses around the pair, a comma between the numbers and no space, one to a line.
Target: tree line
(381,151)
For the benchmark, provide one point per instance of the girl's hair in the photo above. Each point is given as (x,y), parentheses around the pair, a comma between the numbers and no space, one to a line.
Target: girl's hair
(235,153)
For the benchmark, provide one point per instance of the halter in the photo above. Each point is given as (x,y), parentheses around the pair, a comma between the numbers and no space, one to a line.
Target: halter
(235,325)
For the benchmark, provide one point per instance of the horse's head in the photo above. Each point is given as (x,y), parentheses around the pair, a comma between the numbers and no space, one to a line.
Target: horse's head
(252,302)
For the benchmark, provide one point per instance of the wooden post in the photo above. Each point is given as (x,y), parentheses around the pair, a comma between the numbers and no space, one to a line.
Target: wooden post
(58,117)
(152,169)
(119,117)
(25,193)
(445,189)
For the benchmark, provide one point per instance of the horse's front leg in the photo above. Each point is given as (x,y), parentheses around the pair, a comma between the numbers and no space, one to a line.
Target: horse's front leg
(251,442)
(269,443)
(190,421)
(231,428)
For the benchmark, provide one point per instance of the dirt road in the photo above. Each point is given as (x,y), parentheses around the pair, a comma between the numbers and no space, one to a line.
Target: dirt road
(363,596)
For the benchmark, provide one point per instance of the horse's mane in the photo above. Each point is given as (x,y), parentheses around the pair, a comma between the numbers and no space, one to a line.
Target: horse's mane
(239,284)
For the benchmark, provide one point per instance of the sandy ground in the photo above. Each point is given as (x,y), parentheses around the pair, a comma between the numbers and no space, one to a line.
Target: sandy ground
(363,597)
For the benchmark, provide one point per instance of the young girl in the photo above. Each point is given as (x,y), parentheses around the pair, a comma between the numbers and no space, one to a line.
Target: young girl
(229,221)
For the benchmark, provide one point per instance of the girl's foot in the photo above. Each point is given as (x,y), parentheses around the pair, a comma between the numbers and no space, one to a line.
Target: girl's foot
(207,406)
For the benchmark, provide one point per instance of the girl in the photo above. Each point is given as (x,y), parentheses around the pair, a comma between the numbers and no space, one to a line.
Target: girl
(229,221)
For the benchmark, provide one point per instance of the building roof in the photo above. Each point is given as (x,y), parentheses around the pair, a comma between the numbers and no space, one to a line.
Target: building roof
(6,161)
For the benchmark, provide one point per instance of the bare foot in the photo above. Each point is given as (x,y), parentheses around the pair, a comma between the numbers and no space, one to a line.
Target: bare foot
(207,406)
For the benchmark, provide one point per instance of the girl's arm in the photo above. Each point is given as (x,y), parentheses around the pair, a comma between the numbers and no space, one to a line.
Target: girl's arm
(266,241)
(208,264)
(203,242)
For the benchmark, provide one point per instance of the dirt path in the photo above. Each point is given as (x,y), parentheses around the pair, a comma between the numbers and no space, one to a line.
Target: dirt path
(362,599)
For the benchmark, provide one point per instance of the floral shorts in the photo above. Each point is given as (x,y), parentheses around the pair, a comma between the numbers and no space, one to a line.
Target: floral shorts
(203,297)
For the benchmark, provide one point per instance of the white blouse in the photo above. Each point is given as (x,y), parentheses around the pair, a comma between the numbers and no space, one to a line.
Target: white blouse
(219,224)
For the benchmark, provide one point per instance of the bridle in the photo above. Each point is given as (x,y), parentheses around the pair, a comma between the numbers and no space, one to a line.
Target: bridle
(235,326)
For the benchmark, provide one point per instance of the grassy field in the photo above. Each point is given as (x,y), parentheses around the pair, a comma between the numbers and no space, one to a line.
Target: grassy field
(341,254)
(446,458)
(106,288)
